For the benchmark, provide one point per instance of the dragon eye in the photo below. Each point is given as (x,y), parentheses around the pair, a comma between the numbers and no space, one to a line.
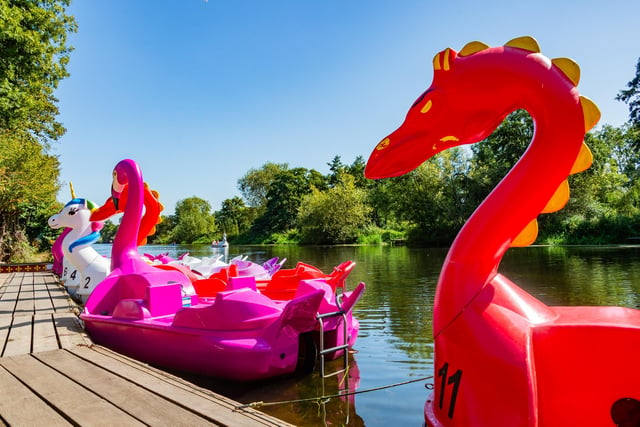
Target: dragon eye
(427,105)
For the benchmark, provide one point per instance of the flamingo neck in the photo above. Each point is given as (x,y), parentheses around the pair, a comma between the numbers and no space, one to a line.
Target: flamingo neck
(124,255)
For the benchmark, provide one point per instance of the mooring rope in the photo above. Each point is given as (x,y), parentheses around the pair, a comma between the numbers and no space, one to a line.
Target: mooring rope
(325,399)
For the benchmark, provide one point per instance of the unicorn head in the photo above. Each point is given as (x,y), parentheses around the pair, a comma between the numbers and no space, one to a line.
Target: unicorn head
(76,215)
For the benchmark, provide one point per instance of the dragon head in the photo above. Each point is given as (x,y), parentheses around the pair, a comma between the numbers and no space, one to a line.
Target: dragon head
(472,92)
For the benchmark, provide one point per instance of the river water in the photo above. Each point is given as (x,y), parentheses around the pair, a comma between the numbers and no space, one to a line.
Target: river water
(391,366)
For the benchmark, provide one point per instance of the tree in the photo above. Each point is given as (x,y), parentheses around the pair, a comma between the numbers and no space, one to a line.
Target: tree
(494,157)
(164,230)
(284,198)
(336,169)
(194,222)
(433,198)
(356,170)
(28,186)
(336,215)
(234,217)
(255,184)
(631,96)
(108,231)
(33,35)
(33,61)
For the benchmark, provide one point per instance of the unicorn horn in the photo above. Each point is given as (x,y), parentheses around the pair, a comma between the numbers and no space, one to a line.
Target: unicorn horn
(73,193)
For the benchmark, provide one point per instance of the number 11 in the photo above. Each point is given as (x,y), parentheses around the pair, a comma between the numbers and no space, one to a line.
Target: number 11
(453,379)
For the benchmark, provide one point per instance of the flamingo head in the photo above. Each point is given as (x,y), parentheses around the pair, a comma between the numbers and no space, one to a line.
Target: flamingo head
(118,185)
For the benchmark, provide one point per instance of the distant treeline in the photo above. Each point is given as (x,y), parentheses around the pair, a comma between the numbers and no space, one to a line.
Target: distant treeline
(281,204)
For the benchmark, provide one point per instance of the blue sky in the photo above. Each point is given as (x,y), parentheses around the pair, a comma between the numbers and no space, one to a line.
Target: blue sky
(200,92)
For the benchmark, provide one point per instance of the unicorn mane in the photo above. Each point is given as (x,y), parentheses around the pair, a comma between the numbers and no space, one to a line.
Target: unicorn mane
(96,226)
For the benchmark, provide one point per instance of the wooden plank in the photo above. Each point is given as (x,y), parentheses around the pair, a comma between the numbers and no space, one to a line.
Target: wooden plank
(136,401)
(20,407)
(5,326)
(70,331)
(4,279)
(8,304)
(61,301)
(25,297)
(19,340)
(204,402)
(9,295)
(42,300)
(58,294)
(80,405)
(44,334)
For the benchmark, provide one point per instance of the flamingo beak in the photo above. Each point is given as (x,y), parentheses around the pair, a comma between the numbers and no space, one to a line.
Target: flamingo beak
(116,190)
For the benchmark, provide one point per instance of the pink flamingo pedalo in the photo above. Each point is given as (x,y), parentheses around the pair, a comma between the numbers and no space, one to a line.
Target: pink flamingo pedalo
(154,314)
(502,357)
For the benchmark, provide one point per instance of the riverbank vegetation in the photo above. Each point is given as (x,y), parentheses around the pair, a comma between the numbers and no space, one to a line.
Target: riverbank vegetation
(281,203)
(35,54)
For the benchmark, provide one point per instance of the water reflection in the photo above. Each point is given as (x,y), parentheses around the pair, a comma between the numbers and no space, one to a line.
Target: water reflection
(577,275)
(395,313)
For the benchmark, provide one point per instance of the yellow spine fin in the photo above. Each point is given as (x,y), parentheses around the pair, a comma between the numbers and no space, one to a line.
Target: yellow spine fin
(472,47)
(590,111)
(527,236)
(583,161)
(436,62)
(526,43)
(569,68)
(441,60)
(559,198)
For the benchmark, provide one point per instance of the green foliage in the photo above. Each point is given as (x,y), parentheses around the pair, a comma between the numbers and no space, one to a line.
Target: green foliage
(284,198)
(234,217)
(28,185)
(34,59)
(255,184)
(108,232)
(496,155)
(194,221)
(334,216)
(164,230)
(631,96)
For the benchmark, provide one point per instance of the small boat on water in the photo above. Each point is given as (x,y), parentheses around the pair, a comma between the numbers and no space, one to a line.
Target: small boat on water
(220,243)
(156,315)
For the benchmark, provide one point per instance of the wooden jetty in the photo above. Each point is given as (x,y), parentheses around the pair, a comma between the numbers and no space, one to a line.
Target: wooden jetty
(52,374)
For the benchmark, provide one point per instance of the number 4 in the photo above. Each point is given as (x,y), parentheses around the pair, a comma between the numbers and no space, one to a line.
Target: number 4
(452,379)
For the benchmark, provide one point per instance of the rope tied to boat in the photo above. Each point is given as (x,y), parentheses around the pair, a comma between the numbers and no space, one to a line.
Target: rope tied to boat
(324,399)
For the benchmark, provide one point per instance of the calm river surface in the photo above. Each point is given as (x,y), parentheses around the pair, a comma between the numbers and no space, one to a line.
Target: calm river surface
(394,344)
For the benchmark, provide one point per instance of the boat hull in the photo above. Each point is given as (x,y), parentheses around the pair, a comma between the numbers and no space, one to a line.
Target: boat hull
(244,356)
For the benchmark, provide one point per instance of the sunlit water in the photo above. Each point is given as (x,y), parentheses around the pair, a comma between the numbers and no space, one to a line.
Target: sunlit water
(395,345)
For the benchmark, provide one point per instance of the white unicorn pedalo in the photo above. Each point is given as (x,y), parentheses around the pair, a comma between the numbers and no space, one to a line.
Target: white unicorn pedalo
(90,267)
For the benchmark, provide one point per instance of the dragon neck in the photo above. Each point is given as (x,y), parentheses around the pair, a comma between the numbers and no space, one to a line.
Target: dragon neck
(124,255)
(475,255)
